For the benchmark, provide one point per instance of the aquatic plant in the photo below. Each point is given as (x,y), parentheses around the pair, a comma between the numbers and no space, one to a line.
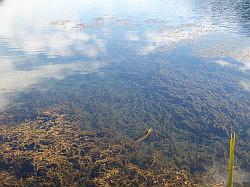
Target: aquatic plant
(189,121)
(231,160)
(53,150)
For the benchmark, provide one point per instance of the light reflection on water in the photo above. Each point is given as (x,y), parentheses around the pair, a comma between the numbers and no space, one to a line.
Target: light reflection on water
(184,64)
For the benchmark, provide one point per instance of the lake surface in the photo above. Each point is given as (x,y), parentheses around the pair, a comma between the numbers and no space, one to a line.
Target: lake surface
(182,68)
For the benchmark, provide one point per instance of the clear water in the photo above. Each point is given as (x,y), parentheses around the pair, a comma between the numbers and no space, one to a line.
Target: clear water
(180,67)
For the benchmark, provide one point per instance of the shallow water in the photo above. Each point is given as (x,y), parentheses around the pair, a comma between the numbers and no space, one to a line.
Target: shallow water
(182,68)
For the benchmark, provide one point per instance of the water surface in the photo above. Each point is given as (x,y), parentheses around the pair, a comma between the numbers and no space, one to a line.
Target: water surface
(180,67)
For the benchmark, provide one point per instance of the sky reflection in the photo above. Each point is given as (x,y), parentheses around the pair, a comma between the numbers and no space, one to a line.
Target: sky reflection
(13,80)
(33,48)
(181,66)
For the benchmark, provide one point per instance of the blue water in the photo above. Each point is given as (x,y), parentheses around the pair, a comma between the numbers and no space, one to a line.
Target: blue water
(180,67)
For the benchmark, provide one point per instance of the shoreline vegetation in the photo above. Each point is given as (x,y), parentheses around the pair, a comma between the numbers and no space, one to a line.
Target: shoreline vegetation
(53,150)
(231,160)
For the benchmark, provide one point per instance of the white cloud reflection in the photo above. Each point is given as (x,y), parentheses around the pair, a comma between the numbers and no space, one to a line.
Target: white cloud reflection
(13,80)
(243,56)
(240,53)
(71,46)
(26,33)
(132,37)
(223,63)
(245,85)
(172,36)
(63,44)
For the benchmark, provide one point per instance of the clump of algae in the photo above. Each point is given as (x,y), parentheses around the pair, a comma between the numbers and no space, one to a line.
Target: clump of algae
(53,150)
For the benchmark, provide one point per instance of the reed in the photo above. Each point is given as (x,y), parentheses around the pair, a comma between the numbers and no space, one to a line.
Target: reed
(231,160)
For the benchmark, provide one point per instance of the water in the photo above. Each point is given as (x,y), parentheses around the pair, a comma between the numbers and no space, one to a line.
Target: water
(180,67)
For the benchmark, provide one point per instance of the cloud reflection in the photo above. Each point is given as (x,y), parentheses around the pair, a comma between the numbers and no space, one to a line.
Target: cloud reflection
(223,63)
(70,46)
(58,44)
(132,37)
(240,53)
(33,50)
(245,85)
(172,36)
(13,80)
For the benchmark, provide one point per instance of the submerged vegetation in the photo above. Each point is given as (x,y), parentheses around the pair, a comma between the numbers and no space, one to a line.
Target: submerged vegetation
(53,150)
(125,77)
(184,107)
